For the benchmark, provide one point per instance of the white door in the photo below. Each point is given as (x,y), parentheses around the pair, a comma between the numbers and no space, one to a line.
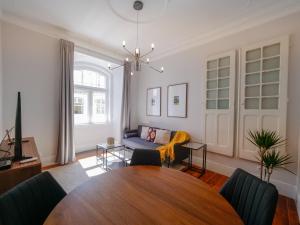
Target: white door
(263,91)
(219,109)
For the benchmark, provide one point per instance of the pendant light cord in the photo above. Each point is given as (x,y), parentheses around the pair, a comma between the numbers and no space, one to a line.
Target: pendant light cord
(137,29)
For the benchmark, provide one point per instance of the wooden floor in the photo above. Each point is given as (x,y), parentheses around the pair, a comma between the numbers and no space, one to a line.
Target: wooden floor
(286,212)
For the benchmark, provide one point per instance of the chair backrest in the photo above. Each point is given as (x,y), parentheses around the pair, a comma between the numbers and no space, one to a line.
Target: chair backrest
(30,202)
(253,199)
(145,157)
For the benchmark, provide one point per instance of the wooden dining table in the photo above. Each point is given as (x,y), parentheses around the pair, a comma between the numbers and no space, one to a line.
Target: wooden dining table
(142,195)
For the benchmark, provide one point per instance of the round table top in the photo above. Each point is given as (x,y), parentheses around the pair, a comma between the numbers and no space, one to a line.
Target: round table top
(143,195)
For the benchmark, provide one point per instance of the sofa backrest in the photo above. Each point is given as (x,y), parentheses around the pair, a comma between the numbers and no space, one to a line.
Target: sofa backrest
(140,130)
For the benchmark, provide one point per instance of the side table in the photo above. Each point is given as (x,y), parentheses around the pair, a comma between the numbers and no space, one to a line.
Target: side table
(195,146)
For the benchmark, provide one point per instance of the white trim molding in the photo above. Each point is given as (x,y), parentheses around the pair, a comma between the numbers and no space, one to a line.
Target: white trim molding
(268,14)
(79,40)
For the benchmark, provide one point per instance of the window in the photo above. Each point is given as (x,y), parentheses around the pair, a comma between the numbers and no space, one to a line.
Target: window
(90,95)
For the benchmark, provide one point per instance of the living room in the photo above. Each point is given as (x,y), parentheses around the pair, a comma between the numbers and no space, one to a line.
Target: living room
(107,73)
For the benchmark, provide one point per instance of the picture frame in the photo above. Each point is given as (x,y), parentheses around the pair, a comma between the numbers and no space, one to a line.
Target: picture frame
(153,101)
(177,100)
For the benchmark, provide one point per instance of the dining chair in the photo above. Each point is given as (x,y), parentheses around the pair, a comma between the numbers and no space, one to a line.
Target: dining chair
(253,199)
(145,157)
(30,202)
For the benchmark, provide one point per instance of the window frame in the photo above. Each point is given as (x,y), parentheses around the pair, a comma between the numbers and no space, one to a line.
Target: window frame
(90,90)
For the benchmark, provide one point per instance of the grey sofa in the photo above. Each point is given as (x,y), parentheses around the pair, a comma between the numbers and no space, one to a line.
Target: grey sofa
(132,139)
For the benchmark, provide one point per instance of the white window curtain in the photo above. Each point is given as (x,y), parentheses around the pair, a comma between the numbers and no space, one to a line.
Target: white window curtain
(66,152)
(125,119)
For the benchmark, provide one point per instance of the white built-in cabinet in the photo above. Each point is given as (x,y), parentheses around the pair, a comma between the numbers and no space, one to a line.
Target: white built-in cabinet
(263,91)
(219,103)
(261,94)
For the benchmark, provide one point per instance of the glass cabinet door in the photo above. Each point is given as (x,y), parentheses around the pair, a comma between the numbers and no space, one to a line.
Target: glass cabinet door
(263,92)
(262,77)
(219,103)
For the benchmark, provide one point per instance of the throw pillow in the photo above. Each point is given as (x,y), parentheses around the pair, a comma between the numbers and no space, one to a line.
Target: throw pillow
(162,137)
(151,134)
(144,132)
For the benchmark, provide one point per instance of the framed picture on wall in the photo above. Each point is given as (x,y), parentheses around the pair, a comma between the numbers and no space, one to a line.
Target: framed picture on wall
(177,100)
(153,107)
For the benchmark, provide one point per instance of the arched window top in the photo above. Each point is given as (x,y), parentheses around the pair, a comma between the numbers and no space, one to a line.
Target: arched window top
(90,75)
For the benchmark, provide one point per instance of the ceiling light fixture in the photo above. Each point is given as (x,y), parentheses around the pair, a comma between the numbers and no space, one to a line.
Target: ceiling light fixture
(136,56)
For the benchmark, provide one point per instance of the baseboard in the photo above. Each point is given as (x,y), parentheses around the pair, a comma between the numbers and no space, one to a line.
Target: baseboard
(284,188)
(84,148)
(48,160)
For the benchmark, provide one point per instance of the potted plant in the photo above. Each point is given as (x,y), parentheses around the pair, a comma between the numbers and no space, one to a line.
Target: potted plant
(268,156)
(272,159)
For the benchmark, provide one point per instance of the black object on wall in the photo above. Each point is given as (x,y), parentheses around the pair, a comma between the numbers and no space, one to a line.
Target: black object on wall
(18,131)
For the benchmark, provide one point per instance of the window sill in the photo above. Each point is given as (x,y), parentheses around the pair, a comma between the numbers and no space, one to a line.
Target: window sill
(91,124)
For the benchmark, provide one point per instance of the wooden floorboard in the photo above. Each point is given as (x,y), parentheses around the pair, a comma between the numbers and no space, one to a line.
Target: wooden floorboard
(286,211)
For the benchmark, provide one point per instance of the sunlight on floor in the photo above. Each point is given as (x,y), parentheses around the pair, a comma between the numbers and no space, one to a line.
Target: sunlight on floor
(91,167)
(88,162)
(94,172)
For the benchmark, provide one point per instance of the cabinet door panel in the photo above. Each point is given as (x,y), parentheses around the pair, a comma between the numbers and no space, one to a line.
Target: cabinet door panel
(219,110)
(263,97)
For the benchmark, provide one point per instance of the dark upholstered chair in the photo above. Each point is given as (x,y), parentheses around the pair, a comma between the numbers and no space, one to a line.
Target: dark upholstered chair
(30,202)
(145,157)
(254,200)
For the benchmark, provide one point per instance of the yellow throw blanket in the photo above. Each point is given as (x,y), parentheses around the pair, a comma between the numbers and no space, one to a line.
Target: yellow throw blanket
(168,149)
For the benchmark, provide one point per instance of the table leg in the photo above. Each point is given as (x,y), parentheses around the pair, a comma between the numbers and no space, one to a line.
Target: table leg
(103,158)
(191,158)
(97,154)
(106,160)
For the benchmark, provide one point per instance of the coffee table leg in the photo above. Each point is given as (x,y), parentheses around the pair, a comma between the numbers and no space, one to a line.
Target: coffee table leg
(106,159)
(191,158)
(103,158)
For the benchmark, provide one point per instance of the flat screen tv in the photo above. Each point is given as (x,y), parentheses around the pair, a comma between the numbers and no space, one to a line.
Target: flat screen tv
(18,151)
(18,131)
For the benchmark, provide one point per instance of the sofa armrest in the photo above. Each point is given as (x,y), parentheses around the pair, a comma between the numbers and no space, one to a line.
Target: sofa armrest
(130,133)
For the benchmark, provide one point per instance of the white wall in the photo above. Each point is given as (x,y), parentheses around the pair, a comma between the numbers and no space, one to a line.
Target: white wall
(188,66)
(298,192)
(31,65)
(1,84)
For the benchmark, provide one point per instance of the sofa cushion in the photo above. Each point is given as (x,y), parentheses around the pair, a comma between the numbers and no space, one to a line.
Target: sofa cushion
(151,134)
(138,143)
(162,137)
(144,132)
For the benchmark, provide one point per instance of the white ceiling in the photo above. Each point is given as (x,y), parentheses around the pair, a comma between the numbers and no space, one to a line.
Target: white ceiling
(171,24)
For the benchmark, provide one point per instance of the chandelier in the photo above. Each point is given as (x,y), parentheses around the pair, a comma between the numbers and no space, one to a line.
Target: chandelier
(136,57)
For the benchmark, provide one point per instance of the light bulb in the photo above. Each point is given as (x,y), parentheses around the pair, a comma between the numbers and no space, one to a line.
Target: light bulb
(162,69)
(109,66)
(127,59)
(124,43)
(152,46)
(137,51)
(148,60)
(131,73)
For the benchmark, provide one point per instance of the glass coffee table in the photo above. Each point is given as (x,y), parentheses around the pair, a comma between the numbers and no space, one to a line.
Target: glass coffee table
(118,151)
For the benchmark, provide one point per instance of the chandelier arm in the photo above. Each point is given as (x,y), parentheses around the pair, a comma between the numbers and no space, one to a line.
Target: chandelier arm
(157,70)
(116,67)
(147,53)
(128,51)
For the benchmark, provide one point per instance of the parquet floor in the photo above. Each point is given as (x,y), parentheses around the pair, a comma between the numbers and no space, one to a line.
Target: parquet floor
(286,212)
